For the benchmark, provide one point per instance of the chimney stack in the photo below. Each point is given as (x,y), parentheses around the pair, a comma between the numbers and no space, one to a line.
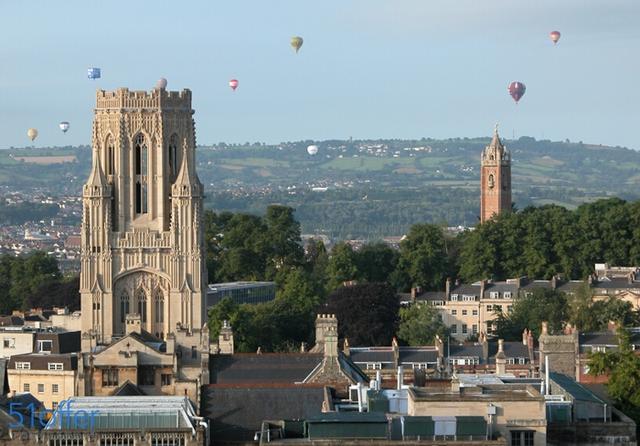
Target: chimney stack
(525,337)
(133,323)
(345,348)
(447,288)
(545,328)
(501,359)
(484,342)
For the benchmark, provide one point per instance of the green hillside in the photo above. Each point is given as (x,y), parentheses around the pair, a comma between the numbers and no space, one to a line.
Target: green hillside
(373,187)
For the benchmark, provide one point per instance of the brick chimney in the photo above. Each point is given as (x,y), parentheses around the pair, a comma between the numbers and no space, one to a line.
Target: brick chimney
(483,284)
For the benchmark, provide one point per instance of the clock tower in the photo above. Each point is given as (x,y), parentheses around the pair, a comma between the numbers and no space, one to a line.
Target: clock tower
(495,179)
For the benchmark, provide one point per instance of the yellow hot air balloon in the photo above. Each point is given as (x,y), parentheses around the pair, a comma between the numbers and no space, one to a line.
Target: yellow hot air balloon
(32,134)
(296,43)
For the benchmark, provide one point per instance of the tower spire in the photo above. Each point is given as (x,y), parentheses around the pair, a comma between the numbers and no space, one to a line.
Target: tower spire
(96,177)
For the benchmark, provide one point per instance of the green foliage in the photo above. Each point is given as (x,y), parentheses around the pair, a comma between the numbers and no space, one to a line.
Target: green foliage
(249,247)
(342,265)
(367,313)
(530,311)
(623,367)
(17,214)
(589,315)
(279,325)
(544,241)
(27,281)
(419,325)
(423,256)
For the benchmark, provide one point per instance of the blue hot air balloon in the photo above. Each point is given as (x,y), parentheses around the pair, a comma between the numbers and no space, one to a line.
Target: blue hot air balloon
(93,73)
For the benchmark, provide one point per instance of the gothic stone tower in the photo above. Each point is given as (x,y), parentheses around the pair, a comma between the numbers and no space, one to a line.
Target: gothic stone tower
(495,179)
(142,235)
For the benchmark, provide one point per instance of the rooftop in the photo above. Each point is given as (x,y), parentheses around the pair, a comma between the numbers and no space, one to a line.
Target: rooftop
(129,412)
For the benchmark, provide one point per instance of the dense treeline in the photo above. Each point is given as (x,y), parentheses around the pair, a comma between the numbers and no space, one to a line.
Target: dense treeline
(35,281)
(536,242)
(17,214)
(540,242)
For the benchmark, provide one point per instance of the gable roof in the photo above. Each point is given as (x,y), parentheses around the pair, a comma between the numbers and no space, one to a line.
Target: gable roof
(128,389)
(236,413)
(262,368)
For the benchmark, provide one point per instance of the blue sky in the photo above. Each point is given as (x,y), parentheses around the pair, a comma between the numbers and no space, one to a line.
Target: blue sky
(368,68)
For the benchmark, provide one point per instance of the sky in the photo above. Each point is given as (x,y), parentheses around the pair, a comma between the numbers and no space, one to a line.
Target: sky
(367,69)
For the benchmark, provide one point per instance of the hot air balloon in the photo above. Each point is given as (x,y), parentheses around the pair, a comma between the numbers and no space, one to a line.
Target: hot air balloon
(296,43)
(64,126)
(93,73)
(312,149)
(555,36)
(516,90)
(233,83)
(32,134)
(162,83)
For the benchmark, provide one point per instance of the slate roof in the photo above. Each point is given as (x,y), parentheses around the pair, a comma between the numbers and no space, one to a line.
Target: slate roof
(616,283)
(416,354)
(465,350)
(470,290)
(605,338)
(11,321)
(128,389)
(247,368)
(533,284)
(431,296)
(576,390)
(236,413)
(500,287)
(512,349)
(371,354)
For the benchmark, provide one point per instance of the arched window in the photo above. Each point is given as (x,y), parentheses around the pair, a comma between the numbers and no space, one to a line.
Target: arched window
(491,181)
(124,306)
(141,297)
(110,156)
(173,157)
(158,302)
(141,166)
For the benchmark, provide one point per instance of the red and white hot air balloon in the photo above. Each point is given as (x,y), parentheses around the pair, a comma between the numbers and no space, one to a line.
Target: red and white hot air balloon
(516,90)
(554,36)
(233,83)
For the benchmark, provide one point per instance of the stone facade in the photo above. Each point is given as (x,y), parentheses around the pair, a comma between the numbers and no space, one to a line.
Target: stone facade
(495,179)
(515,408)
(561,349)
(142,235)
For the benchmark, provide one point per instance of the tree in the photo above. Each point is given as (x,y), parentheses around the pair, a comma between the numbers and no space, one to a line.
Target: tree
(367,313)
(342,265)
(419,325)
(294,309)
(590,315)
(623,367)
(423,256)
(530,311)
(282,239)
(376,262)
